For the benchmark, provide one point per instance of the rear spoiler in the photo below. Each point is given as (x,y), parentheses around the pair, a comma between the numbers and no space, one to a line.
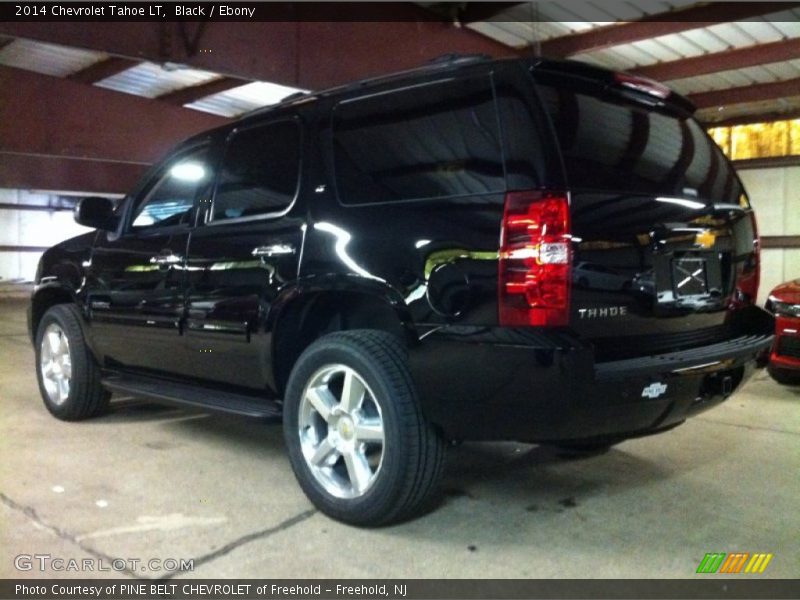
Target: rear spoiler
(597,80)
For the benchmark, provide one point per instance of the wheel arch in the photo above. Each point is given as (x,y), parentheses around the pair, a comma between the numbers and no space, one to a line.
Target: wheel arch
(305,314)
(43,299)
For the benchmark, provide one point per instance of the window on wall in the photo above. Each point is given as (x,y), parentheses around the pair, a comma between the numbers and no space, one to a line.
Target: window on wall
(429,141)
(759,140)
(260,171)
(171,199)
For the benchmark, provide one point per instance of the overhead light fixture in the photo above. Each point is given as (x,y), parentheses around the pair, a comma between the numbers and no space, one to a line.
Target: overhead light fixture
(188,171)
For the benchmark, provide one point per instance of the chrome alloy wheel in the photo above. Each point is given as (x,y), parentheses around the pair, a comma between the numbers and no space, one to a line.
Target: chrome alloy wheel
(341,431)
(55,364)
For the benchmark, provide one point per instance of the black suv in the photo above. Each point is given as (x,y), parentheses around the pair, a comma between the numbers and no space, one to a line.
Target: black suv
(388,266)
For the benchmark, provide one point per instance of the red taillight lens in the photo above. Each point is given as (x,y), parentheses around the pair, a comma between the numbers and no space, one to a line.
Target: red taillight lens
(748,278)
(535,259)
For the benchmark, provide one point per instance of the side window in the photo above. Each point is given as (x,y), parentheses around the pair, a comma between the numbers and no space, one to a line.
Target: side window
(169,202)
(432,141)
(260,171)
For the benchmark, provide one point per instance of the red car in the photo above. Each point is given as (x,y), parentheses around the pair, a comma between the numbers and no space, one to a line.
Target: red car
(784,361)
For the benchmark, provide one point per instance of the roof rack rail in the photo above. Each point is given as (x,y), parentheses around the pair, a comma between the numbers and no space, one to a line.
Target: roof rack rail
(293,96)
(453,57)
(263,109)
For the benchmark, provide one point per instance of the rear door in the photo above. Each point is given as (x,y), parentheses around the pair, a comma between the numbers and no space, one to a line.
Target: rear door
(654,201)
(245,252)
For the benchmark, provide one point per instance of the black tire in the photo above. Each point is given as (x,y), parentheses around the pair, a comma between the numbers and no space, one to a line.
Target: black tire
(411,450)
(784,376)
(87,397)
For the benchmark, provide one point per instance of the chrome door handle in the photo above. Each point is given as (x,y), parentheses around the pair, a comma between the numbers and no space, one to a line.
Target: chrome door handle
(273,250)
(165,259)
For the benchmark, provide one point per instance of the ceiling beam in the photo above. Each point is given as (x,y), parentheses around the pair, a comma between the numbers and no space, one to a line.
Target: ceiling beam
(102,69)
(738,58)
(33,171)
(756,92)
(766,117)
(189,94)
(77,129)
(657,25)
(307,54)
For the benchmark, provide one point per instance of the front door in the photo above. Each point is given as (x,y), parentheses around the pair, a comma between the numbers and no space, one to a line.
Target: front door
(135,283)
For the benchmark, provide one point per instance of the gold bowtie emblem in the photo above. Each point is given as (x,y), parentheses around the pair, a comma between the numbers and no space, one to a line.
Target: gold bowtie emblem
(705,239)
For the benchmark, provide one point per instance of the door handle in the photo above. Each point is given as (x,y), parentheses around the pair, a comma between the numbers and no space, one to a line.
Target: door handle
(273,250)
(165,258)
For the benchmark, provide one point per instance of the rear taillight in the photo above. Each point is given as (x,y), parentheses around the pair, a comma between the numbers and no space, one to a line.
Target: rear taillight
(747,279)
(535,259)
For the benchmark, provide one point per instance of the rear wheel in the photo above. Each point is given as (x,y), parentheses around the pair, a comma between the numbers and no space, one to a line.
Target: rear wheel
(358,442)
(69,378)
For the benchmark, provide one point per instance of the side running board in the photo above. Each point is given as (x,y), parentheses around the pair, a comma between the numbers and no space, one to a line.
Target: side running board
(181,394)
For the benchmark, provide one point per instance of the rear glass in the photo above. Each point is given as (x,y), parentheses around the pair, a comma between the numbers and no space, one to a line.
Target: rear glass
(431,141)
(611,144)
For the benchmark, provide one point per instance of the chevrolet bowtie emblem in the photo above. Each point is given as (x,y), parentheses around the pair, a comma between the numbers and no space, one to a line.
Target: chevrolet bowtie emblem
(705,239)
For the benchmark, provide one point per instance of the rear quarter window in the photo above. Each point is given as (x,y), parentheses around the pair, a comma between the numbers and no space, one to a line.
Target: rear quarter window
(611,144)
(429,141)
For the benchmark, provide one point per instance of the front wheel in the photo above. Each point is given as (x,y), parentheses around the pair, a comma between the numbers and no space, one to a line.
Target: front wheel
(357,440)
(69,378)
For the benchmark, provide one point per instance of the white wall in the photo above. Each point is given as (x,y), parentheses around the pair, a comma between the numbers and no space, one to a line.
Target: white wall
(30,228)
(775,195)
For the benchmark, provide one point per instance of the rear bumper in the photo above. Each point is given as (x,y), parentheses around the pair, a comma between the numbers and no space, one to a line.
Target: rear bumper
(502,384)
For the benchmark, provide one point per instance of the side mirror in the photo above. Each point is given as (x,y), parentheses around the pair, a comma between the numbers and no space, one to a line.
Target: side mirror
(96,212)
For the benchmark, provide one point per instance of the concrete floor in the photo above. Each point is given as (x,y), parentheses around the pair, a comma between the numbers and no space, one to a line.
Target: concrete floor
(149,482)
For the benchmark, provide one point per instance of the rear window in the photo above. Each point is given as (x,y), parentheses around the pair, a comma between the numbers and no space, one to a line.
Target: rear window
(429,141)
(611,144)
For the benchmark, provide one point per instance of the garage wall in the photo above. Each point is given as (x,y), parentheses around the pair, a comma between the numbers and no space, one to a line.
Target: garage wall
(775,195)
(30,228)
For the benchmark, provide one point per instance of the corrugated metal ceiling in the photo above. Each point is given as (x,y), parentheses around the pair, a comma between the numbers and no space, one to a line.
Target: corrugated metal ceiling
(150,80)
(48,59)
(524,24)
(243,99)
(738,77)
(517,26)
(696,42)
(146,79)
